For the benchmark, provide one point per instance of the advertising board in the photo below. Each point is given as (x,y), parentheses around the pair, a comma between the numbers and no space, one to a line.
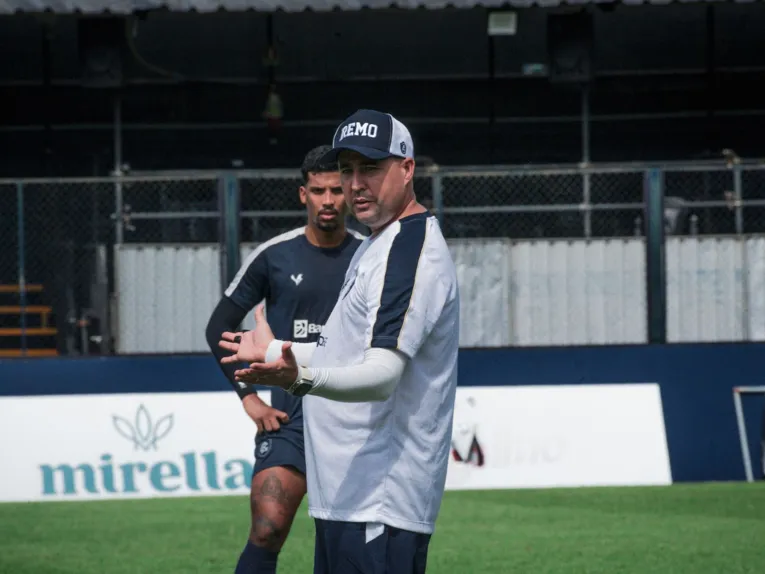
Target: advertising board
(558,436)
(195,444)
(125,446)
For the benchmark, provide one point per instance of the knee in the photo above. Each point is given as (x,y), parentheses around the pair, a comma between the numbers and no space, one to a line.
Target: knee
(267,533)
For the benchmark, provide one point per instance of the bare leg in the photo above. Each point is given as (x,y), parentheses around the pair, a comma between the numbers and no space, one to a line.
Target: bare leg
(275,496)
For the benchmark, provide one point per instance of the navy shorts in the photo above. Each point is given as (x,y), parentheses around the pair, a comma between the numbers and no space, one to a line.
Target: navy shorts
(284,447)
(341,548)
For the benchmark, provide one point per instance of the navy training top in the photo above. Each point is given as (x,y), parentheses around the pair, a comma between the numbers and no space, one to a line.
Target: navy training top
(300,283)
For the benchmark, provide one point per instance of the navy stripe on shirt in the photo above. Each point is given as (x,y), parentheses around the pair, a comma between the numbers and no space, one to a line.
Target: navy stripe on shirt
(398,285)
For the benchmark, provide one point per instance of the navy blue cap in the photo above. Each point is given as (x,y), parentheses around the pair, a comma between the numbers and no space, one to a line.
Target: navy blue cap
(373,134)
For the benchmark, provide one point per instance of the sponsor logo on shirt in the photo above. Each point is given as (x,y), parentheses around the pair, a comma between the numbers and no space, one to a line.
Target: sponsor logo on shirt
(301,328)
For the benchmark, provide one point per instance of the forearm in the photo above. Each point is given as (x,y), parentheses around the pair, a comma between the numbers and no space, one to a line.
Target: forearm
(374,379)
(227,316)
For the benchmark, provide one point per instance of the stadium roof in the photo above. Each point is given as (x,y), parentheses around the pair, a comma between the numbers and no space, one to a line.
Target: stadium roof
(129,6)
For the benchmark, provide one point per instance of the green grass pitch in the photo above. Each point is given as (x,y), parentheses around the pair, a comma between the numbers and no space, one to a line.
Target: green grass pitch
(681,529)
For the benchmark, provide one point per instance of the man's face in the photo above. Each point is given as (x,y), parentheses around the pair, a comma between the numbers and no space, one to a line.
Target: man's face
(375,190)
(323,197)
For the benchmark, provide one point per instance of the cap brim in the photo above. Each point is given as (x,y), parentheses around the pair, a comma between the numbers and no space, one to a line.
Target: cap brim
(370,152)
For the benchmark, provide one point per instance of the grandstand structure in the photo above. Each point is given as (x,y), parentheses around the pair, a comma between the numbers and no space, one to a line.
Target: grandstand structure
(25,330)
(128,156)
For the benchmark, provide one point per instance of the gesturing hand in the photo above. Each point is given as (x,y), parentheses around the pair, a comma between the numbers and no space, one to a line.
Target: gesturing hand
(251,346)
(280,373)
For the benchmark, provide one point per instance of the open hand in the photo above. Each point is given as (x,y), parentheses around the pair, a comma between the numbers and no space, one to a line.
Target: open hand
(282,372)
(250,346)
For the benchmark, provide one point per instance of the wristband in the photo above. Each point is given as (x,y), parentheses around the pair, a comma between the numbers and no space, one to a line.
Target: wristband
(274,350)
(244,390)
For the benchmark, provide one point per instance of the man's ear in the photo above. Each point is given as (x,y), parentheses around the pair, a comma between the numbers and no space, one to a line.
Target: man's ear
(303,193)
(408,165)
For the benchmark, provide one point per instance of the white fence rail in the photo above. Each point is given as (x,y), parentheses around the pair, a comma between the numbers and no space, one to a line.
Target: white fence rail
(521,293)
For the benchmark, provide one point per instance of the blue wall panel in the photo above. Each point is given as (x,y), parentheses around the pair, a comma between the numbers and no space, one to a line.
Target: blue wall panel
(696,386)
(136,374)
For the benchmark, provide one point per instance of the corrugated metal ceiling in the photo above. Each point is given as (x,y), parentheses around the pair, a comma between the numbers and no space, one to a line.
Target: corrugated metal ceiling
(129,6)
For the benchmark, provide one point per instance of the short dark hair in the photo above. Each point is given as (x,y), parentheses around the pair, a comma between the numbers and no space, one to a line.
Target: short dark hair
(313,164)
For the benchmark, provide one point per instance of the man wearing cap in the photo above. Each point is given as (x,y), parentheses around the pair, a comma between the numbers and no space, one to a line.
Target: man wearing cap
(379,384)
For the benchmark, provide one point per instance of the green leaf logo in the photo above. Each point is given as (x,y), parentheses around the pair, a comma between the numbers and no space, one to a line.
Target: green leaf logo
(143,433)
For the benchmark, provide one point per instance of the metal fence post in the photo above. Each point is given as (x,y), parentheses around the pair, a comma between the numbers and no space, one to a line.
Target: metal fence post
(656,284)
(586,198)
(745,298)
(119,222)
(22,267)
(438,197)
(737,197)
(229,226)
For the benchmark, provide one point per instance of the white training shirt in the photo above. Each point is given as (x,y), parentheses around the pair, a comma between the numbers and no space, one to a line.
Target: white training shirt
(385,461)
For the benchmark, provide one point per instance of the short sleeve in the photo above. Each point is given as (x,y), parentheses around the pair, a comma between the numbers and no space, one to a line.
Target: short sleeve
(406,295)
(250,285)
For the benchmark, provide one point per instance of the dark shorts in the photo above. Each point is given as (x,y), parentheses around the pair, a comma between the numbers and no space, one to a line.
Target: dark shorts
(341,548)
(284,447)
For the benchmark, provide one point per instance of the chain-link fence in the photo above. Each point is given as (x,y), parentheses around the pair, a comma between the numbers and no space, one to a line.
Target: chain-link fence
(72,249)
(599,202)
(55,268)
(545,204)
(9,219)
(269,204)
(169,209)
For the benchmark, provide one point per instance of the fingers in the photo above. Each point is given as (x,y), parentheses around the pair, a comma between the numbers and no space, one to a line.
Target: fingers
(287,353)
(257,371)
(259,316)
(272,367)
(255,368)
(228,346)
(288,356)
(230,341)
(271,423)
(230,359)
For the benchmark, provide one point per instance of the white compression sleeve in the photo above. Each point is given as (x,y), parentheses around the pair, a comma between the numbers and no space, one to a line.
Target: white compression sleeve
(374,379)
(302,351)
